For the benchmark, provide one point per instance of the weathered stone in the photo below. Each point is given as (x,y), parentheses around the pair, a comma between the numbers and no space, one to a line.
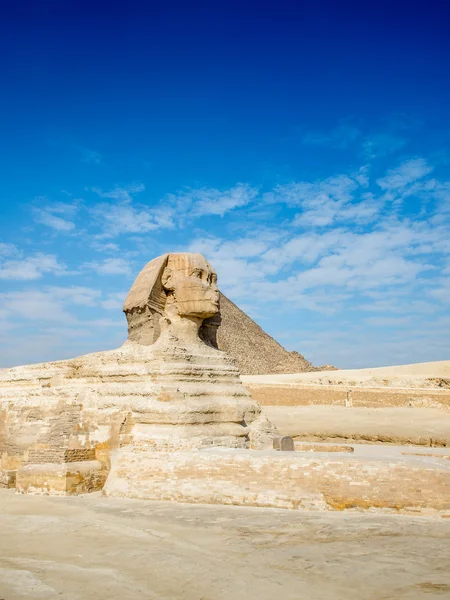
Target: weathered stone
(61,479)
(7,479)
(283,443)
(282,480)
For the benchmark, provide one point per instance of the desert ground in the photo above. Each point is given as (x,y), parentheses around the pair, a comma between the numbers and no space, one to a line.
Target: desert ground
(91,547)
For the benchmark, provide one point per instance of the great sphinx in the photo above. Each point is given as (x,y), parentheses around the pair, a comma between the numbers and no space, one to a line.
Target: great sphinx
(167,388)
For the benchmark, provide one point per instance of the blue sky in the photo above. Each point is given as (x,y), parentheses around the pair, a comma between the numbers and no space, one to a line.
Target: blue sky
(303,148)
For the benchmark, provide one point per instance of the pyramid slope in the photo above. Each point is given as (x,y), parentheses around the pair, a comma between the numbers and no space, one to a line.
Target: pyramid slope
(256,352)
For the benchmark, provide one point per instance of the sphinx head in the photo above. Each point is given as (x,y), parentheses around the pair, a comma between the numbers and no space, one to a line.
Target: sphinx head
(190,284)
(178,286)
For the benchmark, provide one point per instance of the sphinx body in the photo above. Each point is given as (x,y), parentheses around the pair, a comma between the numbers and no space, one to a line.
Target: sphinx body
(166,389)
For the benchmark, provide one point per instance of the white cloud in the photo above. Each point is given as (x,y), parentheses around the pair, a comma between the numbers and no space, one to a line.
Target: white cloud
(324,202)
(35,305)
(210,201)
(56,304)
(125,217)
(7,250)
(78,295)
(407,173)
(32,267)
(122,194)
(45,217)
(49,214)
(235,260)
(339,188)
(110,266)
(327,270)
(440,289)
(105,246)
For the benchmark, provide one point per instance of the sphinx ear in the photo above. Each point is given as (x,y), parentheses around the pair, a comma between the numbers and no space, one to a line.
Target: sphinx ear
(167,279)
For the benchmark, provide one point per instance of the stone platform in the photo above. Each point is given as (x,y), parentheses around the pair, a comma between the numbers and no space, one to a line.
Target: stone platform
(284,480)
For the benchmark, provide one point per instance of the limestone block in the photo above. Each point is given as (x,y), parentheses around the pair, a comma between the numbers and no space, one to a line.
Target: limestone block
(61,479)
(283,443)
(282,480)
(7,479)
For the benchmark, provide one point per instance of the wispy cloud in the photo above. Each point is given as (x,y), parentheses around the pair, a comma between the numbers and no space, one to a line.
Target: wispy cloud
(15,266)
(45,323)
(122,194)
(125,216)
(351,242)
(35,305)
(54,304)
(382,144)
(405,174)
(330,200)
(45,217)
(100,246)
(49,214)
(76,294)
(110,266)
(7,250)
(217,202)
(211,201)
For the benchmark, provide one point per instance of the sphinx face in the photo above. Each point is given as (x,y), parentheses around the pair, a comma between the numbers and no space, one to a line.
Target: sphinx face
(192,285)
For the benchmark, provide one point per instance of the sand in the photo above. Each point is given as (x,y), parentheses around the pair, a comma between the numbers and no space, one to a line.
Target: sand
(95,548)
(422,375)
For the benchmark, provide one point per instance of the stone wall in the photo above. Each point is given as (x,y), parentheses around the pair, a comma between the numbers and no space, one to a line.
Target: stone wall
(281,480)
(298,395)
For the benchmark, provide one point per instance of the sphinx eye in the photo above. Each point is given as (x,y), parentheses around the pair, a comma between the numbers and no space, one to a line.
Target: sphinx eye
(197,273)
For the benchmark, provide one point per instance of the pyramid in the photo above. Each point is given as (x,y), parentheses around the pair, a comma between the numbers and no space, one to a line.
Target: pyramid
(255,351)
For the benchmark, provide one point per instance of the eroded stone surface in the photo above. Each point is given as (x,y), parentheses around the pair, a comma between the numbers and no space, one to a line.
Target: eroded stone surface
(284,480)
